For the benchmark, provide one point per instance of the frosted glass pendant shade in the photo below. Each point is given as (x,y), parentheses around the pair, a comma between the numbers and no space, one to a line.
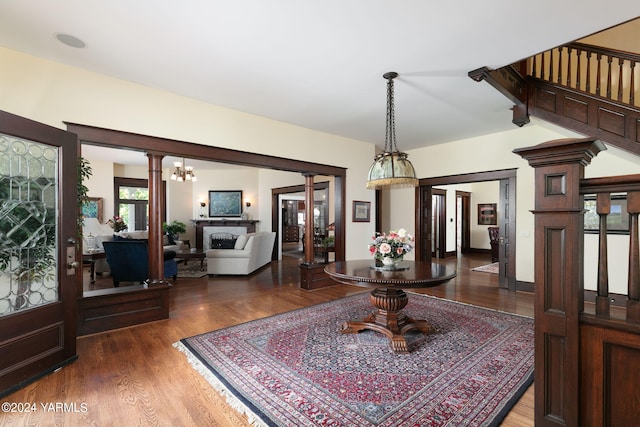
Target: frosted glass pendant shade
(391,170)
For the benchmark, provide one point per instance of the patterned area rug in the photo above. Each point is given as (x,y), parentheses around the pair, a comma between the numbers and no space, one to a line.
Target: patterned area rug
(296,369)
(489,268)
(192,269)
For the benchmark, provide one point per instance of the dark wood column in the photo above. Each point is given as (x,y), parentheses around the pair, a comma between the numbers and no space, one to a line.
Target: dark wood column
(559,239)
(309,256)
(156,256)
(312,275)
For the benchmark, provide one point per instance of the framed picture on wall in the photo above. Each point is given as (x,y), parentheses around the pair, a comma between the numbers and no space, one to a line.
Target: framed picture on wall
(361,211)
(225,203)
(92,208)
(487,214)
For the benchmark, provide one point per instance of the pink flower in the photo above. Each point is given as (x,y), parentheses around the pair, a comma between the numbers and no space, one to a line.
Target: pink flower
(385,248)
(372,249)
(400,250)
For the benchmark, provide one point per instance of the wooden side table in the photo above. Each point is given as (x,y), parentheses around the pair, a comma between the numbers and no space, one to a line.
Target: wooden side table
(90,258)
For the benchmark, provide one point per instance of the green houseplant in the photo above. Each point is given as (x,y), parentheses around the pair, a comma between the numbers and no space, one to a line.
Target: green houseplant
(173,229)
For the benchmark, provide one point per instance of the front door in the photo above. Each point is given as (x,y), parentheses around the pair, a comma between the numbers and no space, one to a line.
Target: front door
(38,213)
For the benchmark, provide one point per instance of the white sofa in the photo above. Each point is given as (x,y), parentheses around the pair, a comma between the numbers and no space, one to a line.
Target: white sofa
(251,251)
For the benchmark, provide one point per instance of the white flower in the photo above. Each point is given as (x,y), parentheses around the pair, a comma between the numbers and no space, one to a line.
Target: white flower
(385,248)
(402,233)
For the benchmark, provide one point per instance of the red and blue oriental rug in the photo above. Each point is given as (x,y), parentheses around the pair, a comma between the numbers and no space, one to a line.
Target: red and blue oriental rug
(296,369)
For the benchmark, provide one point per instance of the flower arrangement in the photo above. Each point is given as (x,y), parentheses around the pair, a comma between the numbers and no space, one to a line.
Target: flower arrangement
(393,245)
(117,224)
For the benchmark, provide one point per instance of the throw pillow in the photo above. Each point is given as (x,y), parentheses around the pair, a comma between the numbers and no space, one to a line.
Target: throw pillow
(241,242)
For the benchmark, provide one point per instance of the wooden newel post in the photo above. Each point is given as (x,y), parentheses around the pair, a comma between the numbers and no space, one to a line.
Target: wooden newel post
(559,251)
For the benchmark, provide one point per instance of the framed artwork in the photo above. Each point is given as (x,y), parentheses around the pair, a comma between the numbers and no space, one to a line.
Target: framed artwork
(487,214)
(92,208)
(361,211)
(617,220)
(225,203)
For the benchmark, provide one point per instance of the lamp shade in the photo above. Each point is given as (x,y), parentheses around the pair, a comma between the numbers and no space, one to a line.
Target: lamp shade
(391,170)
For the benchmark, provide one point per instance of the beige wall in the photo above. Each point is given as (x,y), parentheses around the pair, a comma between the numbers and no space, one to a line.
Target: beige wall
(52,93)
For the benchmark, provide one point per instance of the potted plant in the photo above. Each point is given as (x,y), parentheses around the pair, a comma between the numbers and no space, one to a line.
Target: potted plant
(173,230)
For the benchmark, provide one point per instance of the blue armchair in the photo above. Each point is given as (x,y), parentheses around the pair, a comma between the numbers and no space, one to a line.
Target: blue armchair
(129,261)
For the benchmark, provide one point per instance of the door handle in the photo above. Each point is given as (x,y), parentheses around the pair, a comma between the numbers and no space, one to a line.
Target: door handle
(72,264)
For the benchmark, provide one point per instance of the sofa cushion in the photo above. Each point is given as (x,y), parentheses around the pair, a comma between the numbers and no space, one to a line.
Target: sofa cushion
(241,241)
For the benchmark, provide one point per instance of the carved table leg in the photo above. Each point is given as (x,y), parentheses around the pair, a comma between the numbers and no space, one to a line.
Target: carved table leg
(388,319)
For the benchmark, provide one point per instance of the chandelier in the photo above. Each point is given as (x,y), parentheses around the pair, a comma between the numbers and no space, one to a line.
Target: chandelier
(391,168)
(183,173)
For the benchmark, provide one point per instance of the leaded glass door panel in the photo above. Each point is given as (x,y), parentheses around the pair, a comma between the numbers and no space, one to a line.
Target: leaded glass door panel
(38,211)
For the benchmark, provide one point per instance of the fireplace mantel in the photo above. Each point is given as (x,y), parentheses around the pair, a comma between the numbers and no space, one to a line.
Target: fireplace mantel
(201,223)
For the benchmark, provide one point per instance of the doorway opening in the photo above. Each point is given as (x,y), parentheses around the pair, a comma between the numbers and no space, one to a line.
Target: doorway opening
(433,223)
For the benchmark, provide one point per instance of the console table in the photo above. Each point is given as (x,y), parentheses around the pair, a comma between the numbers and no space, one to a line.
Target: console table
(388,297)
(201,223)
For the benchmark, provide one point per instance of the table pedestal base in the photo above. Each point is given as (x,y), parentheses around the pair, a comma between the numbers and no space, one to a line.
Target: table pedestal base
(388,319)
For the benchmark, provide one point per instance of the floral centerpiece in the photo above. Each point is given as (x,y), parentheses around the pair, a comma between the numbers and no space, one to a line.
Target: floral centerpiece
(117,223)
(390,248)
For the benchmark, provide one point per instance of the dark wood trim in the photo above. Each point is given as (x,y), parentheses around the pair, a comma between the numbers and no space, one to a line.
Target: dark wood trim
(466,178)
(145,143)
(441,237)
(118,308)
(465,239)
(522,286)
(156,202)
(611,122)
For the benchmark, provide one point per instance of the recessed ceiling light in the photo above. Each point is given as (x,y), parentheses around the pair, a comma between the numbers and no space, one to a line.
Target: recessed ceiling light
(70,40)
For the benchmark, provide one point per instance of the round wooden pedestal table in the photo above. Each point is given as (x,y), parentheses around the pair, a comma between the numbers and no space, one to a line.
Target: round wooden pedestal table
(388,297)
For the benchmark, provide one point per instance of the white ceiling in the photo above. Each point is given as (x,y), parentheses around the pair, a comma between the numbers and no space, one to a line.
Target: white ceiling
(316,64)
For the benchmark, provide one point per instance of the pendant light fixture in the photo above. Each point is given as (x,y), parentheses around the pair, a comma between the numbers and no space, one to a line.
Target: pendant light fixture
(391,168)
(181,173)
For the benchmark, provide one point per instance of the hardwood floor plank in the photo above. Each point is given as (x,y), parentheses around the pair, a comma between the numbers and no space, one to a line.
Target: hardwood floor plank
(134,376)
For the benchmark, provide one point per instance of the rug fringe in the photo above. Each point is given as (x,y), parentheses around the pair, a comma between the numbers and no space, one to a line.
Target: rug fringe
(233,401)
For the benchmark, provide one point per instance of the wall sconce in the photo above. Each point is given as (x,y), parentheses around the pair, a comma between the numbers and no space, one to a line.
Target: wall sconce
(247,203)
(203,210)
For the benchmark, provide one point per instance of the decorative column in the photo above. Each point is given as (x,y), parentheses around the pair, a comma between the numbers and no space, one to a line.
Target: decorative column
(309,249)
(558,262)
(156,255)
(312,275)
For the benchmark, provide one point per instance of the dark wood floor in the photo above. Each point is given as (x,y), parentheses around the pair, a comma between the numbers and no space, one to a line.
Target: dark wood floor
(134,376)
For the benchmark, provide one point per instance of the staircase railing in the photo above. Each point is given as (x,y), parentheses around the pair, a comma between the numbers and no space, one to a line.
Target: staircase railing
(604,72)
